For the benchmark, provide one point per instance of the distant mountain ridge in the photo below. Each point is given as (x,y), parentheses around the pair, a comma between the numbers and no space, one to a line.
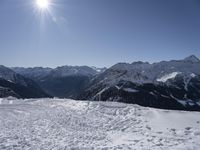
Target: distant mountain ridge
(171,84)
(34,73)
(143,72)
(64,81)
(62,71)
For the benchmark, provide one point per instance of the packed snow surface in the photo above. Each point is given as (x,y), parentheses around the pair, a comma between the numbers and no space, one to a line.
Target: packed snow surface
(62,124)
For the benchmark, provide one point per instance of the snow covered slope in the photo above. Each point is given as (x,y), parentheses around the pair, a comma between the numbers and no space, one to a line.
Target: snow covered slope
(168,76)
(85,125)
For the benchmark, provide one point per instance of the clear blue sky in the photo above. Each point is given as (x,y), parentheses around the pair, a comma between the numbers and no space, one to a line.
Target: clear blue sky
(97,32)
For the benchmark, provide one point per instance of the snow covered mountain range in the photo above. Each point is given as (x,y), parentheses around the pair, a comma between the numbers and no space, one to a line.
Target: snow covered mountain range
(143,72)
(171,84)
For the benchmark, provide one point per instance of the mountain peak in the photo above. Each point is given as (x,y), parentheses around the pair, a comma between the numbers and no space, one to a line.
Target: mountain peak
(192,58)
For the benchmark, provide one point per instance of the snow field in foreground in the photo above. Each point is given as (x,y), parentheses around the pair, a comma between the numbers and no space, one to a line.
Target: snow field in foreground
(60,124)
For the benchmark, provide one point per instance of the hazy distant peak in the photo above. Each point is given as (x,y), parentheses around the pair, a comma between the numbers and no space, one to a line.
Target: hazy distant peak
(192,58)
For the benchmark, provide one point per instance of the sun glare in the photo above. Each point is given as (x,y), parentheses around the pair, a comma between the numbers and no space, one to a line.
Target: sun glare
(42,4)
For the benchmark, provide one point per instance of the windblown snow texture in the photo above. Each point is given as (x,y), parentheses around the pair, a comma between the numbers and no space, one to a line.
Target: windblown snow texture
(85,125)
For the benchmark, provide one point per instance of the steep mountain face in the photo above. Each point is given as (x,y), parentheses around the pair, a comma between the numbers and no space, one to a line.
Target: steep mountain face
(13,84)
(168,84)
(65,81)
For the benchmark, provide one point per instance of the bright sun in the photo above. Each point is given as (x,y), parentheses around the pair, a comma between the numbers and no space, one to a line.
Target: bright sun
(42,4)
